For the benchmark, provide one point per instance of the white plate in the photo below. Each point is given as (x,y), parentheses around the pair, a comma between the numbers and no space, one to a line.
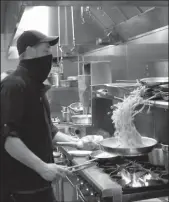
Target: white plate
(80,152)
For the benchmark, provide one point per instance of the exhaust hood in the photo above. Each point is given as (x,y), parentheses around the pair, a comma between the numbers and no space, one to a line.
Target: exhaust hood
(150,46)
(65,22)
(86,28)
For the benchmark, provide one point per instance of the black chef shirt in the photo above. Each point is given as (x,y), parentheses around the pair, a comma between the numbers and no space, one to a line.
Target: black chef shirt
(25,114)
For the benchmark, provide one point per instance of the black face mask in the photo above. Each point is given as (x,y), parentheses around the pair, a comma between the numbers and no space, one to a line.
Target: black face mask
(38,68)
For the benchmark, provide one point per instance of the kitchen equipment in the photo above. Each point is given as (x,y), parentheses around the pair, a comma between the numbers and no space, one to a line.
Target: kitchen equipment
(134,175)
(127,81)
(82,166)
(165,149)
(122,85)
(76,108)
(65,83)
(82,119)
(66,117)
(155,81)
(89,142)
(101,155)
(55,120)
(111,144)
(65,109)
(73,83)
(55,78)
(126,179)
(78,145)
(84,89)
(79,152)
(156,157)
(72,78)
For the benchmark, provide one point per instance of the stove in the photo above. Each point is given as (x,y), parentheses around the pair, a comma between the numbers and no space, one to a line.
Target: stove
(124,180)
(136,174)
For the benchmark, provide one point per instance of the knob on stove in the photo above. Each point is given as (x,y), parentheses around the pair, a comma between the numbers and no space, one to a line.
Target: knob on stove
(81,183)
(78,179)
(91,193)
(98,200)
(85,190)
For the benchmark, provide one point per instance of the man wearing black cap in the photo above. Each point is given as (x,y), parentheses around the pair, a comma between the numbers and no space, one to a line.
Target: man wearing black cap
(27,132)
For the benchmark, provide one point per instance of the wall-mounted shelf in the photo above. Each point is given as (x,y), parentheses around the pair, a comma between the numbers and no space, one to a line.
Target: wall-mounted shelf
(156,103)
(160,103)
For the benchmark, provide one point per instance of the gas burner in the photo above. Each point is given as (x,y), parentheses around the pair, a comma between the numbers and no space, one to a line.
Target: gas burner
(135,174)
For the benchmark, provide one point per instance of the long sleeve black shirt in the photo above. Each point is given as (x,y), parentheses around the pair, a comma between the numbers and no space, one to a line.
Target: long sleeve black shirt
(25,114)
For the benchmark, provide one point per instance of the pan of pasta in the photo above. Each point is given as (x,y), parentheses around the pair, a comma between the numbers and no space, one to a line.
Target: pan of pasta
(113,145)
(127,141)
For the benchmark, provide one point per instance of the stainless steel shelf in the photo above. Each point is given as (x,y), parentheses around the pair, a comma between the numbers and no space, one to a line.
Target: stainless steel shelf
(156,103)
(53,88)
(160,103)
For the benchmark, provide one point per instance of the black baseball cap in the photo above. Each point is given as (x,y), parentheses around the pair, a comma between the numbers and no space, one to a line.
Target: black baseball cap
(32,38)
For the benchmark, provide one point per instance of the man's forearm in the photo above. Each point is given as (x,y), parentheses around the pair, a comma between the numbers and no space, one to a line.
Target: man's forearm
(18,150)
(62,137)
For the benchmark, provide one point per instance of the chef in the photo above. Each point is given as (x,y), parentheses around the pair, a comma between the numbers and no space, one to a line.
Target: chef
(27,133)
(5,74)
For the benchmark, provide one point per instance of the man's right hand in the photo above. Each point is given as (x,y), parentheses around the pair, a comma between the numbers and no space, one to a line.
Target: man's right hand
(51,171)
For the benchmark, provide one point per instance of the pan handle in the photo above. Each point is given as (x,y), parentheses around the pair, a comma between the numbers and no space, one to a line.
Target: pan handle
(71,144)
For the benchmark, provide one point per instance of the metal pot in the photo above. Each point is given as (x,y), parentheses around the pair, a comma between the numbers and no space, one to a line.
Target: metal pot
(65,83)
(82,119)
(156,157)
(54,79)
(165,149)
(66,116)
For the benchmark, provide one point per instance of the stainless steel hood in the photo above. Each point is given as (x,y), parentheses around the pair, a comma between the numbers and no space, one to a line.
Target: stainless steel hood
(150,46)
(85,35)
(110,23)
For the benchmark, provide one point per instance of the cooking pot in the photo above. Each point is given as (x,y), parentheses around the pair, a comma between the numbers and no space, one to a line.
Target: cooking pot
(82,119)
(165,149)
(54,79)
(156,157)
(66,116)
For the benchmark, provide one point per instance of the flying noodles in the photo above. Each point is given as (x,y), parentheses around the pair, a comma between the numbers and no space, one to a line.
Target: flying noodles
(123,117)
